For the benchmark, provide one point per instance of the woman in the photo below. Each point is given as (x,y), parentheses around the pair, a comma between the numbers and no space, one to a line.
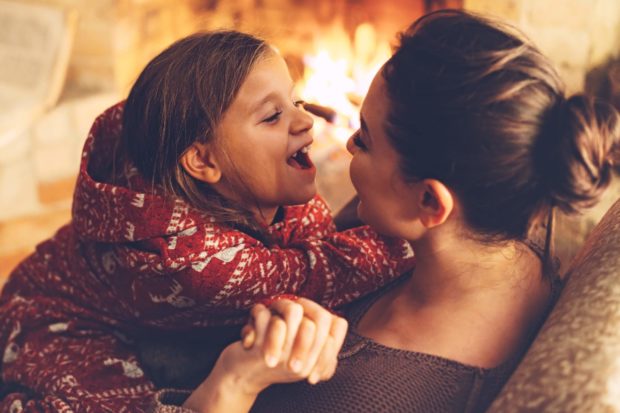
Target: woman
(467,143)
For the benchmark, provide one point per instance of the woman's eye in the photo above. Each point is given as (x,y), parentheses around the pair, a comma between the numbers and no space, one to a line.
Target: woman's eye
(357,141)
(273,118)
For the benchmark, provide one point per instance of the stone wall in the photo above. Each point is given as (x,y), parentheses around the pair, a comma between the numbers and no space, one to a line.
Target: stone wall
(578,35)
(116,38)
(582,38)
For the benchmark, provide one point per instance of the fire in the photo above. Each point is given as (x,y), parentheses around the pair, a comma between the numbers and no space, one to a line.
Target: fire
(338,76)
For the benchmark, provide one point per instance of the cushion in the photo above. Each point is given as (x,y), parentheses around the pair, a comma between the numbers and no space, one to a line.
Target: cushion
(573,364)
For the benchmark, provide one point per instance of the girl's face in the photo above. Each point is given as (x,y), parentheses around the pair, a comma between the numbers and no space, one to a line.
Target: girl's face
(387,202)
(265,135)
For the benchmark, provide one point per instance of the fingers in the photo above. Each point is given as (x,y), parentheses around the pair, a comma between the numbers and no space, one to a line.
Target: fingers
(323,320)
(260,316)
(300,334)
(292,313)
(274,340)
(328,358)
(322,323)
(326,363)
(302,346)
(248,335)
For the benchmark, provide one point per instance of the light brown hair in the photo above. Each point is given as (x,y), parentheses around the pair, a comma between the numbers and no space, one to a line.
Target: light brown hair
(178,99)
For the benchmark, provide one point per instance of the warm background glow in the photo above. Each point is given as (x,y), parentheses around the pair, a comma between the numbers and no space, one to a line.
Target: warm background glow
(333,48)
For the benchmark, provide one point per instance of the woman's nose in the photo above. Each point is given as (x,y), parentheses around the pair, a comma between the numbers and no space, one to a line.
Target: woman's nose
(302,122)
(351,147)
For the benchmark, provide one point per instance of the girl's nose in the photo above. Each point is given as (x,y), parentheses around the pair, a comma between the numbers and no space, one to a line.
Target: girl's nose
(302,122)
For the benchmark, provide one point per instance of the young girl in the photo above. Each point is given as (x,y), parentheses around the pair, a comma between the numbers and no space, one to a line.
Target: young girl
(195,200)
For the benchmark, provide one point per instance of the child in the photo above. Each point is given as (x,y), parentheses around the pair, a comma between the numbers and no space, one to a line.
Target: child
(195,200)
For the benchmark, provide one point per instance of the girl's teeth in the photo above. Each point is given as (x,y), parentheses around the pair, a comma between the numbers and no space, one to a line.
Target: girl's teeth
(305,149)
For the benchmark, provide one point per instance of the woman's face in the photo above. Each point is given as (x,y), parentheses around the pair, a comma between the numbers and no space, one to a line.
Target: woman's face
(265,135)
(387,202)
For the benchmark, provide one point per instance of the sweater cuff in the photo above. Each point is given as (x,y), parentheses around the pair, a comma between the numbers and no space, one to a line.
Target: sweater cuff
(170,401)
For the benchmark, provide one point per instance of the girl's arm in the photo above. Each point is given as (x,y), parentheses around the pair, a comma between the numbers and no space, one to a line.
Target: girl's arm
(213,276)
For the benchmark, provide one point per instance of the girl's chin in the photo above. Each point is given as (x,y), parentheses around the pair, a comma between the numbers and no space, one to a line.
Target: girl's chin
(303,198)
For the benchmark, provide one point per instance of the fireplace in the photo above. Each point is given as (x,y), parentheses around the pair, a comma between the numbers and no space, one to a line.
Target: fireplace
(322,40)
(333,49)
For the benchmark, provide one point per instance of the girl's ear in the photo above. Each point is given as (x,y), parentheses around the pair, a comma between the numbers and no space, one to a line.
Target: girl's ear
(200,162)
(436,203)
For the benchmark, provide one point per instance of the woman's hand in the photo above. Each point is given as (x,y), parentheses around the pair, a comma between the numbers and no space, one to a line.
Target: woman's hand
(301,334)
(290,341)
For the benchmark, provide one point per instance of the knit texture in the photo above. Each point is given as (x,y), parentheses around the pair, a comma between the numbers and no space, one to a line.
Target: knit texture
(374,378)
(133,260)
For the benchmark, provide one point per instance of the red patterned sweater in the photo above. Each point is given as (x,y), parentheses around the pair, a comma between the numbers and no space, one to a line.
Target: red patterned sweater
(132,259)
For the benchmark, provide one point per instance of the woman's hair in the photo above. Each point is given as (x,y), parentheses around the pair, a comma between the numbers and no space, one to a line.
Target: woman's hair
(476,106)
(178,99)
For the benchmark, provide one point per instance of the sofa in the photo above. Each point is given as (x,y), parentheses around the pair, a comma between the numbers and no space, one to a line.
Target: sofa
(573,364)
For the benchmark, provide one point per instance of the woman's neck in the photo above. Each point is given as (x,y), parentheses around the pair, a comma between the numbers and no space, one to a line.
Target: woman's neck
(450,269)
(468,302)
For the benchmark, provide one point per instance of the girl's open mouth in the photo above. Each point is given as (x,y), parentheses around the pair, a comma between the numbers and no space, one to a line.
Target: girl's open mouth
(300,159)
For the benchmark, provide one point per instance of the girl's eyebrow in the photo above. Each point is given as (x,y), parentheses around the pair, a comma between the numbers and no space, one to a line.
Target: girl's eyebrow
(270,96)
(266,99)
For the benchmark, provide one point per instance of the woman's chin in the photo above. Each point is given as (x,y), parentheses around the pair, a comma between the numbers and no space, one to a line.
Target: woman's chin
(378,222)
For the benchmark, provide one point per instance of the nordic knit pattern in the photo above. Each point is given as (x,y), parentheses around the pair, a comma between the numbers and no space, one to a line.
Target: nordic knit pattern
(132,259)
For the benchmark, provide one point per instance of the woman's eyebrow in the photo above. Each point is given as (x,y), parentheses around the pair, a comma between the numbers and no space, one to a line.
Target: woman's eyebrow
(364,128)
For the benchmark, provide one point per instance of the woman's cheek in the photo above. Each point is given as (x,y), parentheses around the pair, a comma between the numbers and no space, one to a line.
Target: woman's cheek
(354,175)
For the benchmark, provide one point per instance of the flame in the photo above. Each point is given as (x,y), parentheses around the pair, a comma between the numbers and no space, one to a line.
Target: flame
(338,75)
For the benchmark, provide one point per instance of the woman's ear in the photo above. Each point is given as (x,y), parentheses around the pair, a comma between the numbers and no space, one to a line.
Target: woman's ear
(200,162)
(436,203)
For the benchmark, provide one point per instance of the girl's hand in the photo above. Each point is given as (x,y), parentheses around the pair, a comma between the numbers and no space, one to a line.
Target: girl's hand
(304,336)
(292,340)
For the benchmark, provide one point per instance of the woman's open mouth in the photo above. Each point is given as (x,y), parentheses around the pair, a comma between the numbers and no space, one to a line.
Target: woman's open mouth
(300,159)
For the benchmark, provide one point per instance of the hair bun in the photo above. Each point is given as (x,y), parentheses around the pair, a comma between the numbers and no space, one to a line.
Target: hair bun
(578,150)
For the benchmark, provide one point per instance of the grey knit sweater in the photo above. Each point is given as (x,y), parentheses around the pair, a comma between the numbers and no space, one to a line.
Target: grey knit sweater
(375,378)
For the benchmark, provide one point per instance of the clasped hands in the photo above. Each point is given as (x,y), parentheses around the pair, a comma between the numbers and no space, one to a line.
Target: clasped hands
(298,339)
(284,341)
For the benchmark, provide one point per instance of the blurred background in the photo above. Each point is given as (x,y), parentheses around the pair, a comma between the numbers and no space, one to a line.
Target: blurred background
(65,61)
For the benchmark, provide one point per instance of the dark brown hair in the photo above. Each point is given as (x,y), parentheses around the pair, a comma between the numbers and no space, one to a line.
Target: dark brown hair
(178,99)
(476,106)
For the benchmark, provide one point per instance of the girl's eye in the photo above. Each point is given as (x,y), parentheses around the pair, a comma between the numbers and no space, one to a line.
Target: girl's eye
(357,141)
(273,118)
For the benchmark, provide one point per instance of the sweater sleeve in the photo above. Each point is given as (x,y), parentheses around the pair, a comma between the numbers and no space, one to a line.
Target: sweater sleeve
(187,287)
(170,401)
